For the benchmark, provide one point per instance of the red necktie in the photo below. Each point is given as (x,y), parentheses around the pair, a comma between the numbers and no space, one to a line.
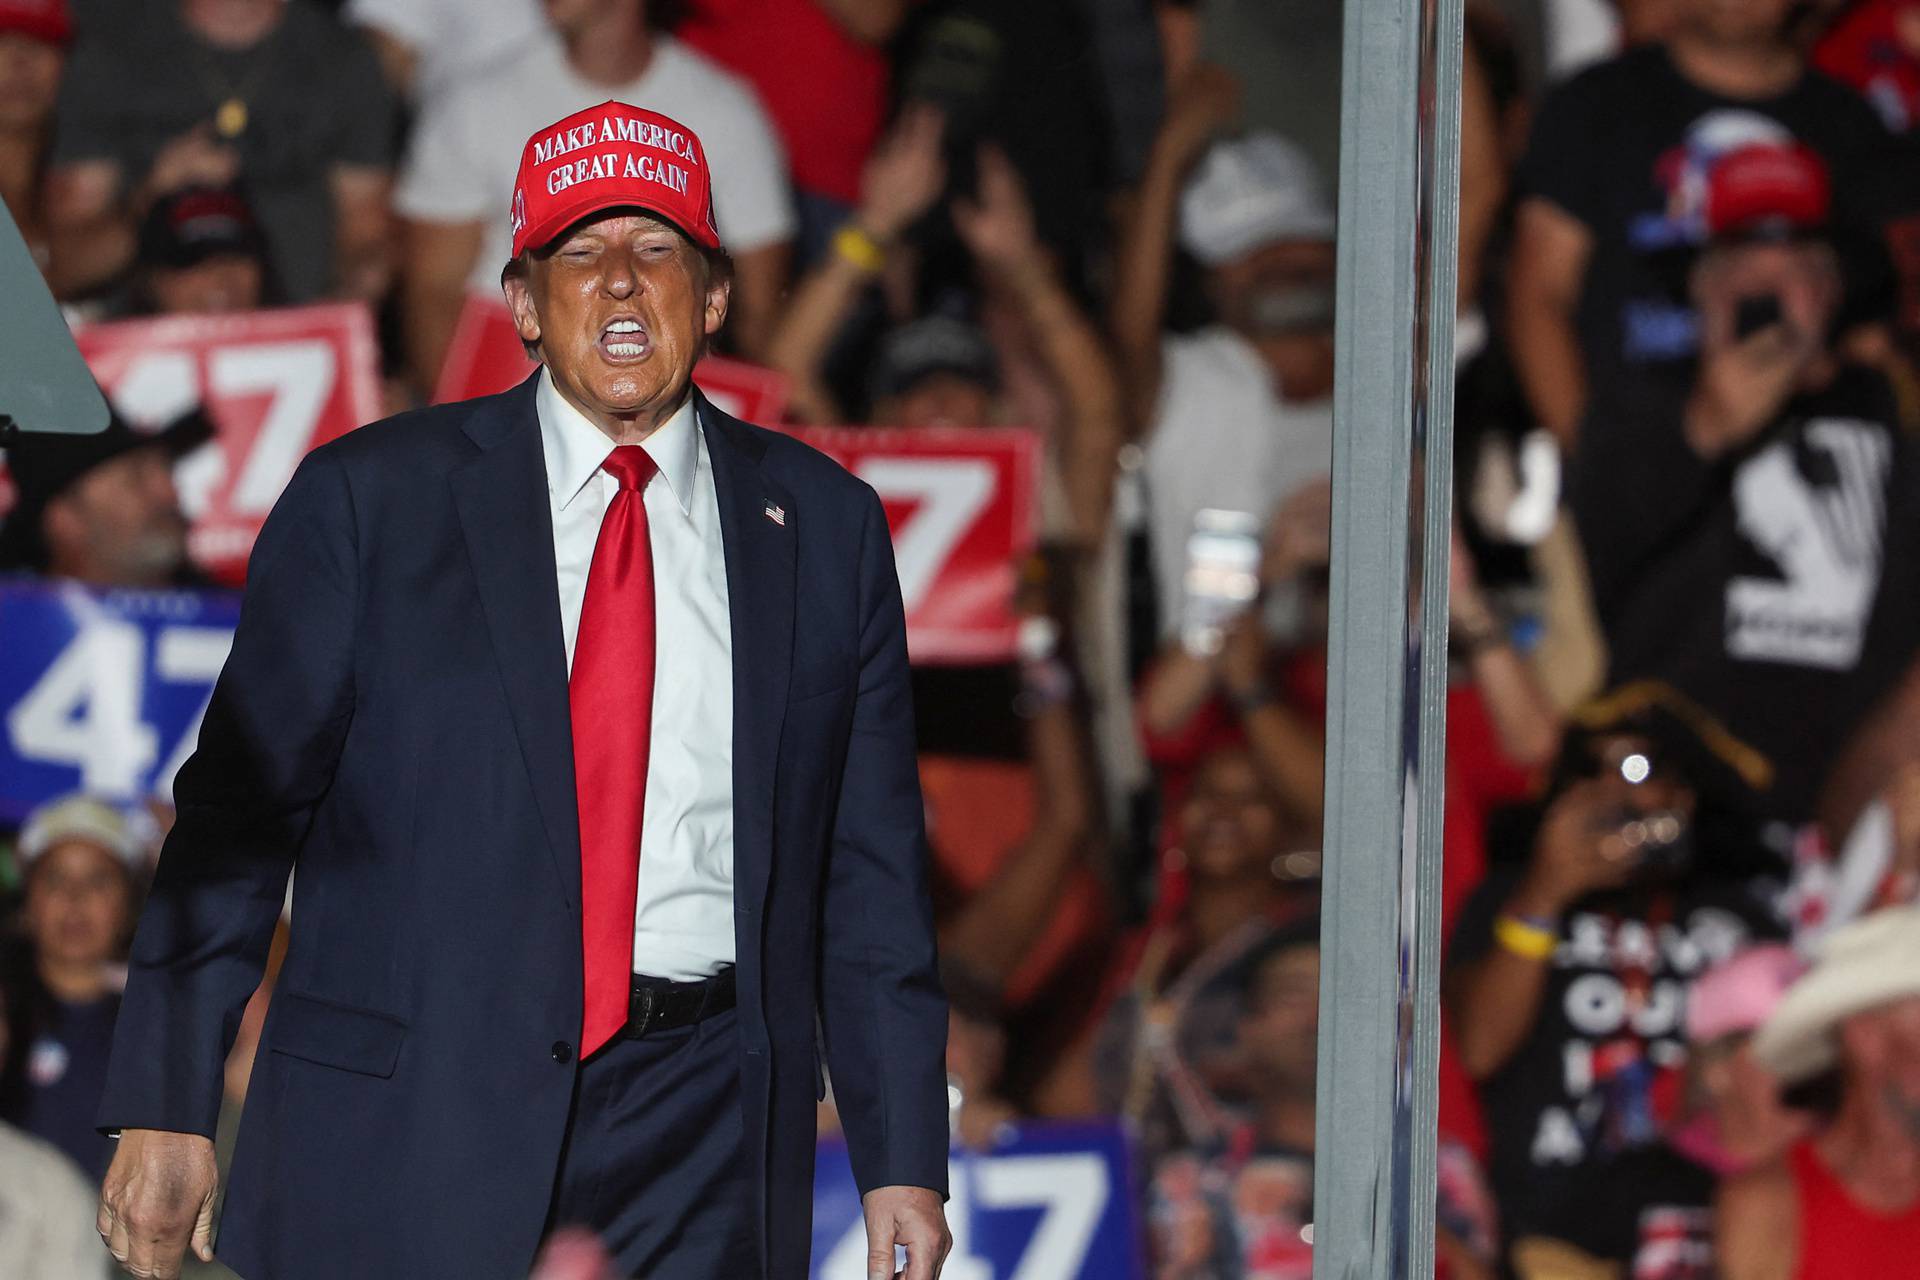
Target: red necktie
(610,693)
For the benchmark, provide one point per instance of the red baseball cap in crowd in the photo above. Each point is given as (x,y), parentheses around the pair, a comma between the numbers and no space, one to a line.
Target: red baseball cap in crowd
(1768,190)
(40,19)
(608,157)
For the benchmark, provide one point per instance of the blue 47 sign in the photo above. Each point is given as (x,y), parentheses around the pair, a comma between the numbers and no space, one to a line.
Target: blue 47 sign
(1048,1202)
(103,691)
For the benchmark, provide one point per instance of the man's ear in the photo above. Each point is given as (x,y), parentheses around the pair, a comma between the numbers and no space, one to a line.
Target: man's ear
(719,294)
(520,302)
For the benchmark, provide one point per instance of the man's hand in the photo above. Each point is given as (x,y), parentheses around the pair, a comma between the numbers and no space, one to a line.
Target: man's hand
(157,1199)
(1744,382)
(910,1216)
(1579,850)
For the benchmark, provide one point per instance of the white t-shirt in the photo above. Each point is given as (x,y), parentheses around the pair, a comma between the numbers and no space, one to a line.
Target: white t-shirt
(46,1214)
(1221,437)
(450,39)
(466,148)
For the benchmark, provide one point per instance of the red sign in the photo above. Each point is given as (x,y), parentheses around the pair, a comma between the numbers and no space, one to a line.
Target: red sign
(485,357)
(960,504)
(275,383)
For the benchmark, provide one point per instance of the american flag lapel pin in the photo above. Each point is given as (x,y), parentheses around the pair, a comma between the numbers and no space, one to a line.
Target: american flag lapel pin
(777,514)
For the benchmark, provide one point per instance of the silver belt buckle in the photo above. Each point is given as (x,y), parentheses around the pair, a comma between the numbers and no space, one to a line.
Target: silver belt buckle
(645,1015)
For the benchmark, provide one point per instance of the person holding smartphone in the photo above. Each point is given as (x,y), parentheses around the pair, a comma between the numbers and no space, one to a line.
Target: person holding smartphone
(1568,979)
(1749,541)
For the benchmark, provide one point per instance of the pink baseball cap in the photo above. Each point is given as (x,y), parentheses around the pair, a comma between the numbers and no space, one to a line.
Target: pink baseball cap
(608,157)
(1739,994)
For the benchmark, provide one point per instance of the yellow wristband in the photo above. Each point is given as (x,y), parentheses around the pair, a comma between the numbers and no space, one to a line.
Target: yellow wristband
(1528,941)
(859,248)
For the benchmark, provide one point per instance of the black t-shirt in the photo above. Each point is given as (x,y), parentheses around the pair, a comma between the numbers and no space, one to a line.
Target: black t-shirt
(1625,147)
(1575,1145)
(64,1077)
(1779,588)
(315,99)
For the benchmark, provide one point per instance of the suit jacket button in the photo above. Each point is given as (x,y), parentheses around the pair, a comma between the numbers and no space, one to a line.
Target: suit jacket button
(562,1051)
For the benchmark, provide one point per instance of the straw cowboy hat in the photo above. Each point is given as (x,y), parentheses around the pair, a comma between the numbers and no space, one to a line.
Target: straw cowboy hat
(1871,962)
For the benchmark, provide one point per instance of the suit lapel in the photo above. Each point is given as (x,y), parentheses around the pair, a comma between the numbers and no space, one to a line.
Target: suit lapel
(760,597)
(501,496)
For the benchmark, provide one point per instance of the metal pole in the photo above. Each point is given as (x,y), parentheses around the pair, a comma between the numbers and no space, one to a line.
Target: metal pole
(1399,173)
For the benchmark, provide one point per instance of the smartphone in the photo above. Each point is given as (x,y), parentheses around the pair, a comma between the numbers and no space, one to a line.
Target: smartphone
(1755,312)
(1222,576)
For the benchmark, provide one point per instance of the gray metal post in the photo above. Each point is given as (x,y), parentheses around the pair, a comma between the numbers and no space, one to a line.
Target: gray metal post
(1379,1015)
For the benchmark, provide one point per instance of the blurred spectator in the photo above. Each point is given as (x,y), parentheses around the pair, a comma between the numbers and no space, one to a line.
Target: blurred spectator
(1024,79)
(1236,416)
(820,69)
(460,164)
(101,509)
(976,1058)
(430,47)
(1634,160)
(1767,565)
(939,370)
(1568,989)
(1024,927)
(1166,1056)
(1845,1203)
(46,1206)
(1243,1206)
(33,43)
(271,94)
(1190,699)
(201,252)
(80,859)
(1288,56)
(1875,47)
(1734,1118)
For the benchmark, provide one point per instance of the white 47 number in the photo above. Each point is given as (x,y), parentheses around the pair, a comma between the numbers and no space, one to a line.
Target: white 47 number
(84,711)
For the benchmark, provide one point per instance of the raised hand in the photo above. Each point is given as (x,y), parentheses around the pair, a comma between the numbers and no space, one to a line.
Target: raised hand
(997,226)
(905,173)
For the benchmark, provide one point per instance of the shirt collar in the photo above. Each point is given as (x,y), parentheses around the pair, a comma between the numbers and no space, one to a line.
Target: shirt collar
(574,448)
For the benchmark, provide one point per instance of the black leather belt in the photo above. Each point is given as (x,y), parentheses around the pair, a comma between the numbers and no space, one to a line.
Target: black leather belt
(658,1005)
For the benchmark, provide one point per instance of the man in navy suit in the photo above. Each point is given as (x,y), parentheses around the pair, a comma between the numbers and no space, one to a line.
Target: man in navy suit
(583,711)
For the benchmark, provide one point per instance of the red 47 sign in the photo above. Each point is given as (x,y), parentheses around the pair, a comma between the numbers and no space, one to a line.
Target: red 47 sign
(276,384)
(960,505)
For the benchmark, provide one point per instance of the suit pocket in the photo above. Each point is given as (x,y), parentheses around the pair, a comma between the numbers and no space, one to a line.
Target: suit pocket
(336,1035)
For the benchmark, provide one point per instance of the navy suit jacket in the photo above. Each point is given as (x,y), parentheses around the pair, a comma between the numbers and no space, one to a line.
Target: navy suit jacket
(393,719)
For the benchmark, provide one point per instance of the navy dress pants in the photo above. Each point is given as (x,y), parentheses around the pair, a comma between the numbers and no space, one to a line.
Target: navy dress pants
(653,1161)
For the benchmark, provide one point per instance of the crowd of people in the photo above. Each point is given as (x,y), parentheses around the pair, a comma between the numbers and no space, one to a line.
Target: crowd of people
(1682,831)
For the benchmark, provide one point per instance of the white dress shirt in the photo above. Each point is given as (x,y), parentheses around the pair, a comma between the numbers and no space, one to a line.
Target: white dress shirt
(683,920)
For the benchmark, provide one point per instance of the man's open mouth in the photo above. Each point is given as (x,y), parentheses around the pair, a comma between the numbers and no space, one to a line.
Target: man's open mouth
(624,339)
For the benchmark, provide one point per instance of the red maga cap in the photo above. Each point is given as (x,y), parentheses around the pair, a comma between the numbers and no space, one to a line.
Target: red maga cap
(606,157)
(45,20)
(1767,188)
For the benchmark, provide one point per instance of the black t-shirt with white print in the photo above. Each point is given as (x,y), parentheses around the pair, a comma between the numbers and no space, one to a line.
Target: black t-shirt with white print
(1778,587)
(1574,1123)
(1626,147)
